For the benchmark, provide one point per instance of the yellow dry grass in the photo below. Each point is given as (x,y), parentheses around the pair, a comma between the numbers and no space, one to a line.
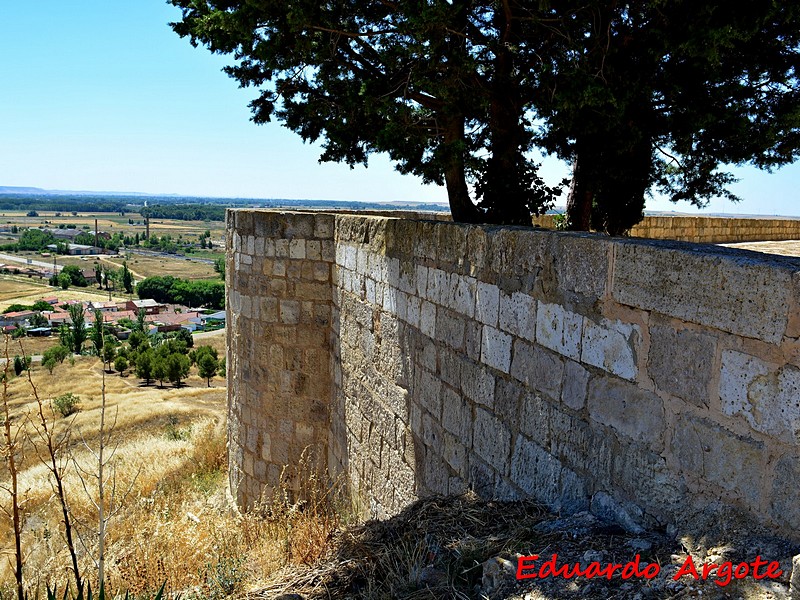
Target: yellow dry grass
(174,522)
(149,266)
(12,288)
(16,291)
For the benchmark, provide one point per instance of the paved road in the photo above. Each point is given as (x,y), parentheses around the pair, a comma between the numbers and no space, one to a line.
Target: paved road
(31,262)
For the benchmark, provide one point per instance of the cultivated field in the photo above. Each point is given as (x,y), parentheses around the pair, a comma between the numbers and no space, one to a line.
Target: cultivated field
(148,266)
(18,290)
(116,223)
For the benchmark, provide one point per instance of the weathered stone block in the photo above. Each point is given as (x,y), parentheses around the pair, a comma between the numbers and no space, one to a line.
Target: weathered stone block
(720,457)
(631,411)
(450,328)
(581,265)
(496,349)
(487,303)
(537,368)
(535,414)
(455,453)
(611,345)
(768,397)
(517,315)
(710,287)
(427,318)
(576,378)
(491,440)
(457,416)
(559,329)
(783,505)
(536,471)
(477,383)
(672,372)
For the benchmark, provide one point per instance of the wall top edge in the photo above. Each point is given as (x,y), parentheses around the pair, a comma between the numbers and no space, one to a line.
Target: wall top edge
(411,218)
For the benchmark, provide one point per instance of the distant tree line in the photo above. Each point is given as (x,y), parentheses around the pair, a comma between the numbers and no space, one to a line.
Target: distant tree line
(67,203)
(185,212)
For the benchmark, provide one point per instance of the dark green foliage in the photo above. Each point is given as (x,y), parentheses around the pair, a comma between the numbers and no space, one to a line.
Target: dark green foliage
(636,96)
(66,404)
(143,365)
(662,94)
(138,339)
(121,364)
(39,305)
(157,288)
(75,275)
(207,367)
(78,330)
(35,239)
(109,351)
(219,267)
(169,289)
(184,212)
(127,278)
(185,336)
(54,356)
(444,88)
(19,365)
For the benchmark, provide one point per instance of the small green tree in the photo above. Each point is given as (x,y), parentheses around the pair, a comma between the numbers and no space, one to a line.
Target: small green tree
(207,367)
(77,314)
(127,278)
(66,404)
(144,365)
(64,281)
(97,332)
(109,352)
(49,364)
(121,364)
(185,336)
(19,365)
(177,368)
(159,368)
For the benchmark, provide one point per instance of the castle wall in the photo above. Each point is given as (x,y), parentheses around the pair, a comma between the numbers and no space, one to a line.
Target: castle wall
(641,379)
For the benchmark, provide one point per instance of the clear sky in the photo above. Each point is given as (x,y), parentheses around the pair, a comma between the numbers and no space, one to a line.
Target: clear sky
(101,95)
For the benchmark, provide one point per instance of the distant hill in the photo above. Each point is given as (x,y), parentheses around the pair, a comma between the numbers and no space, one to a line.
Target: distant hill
(34,191)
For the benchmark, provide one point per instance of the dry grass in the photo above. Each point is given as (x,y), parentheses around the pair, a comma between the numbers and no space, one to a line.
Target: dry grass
(34,346)
(148,266)
(14,290)
(175,523)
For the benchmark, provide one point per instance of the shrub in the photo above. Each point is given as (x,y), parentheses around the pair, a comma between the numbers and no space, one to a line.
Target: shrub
(66,404)
(120,364)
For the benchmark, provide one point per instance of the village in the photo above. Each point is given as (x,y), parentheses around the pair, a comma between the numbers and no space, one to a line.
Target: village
(117,316)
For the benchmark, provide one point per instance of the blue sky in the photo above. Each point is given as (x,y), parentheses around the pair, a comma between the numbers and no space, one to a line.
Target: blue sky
(102,95)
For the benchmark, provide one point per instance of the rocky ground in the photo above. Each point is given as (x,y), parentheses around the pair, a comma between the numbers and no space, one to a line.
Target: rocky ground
(465,548)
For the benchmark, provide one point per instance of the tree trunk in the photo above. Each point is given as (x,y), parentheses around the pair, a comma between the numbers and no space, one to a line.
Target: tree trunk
(579,201)
(461,206)
(506,188)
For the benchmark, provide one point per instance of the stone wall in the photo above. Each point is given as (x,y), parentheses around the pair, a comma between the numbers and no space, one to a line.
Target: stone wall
(278,280)
(643,379)
(707,230)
